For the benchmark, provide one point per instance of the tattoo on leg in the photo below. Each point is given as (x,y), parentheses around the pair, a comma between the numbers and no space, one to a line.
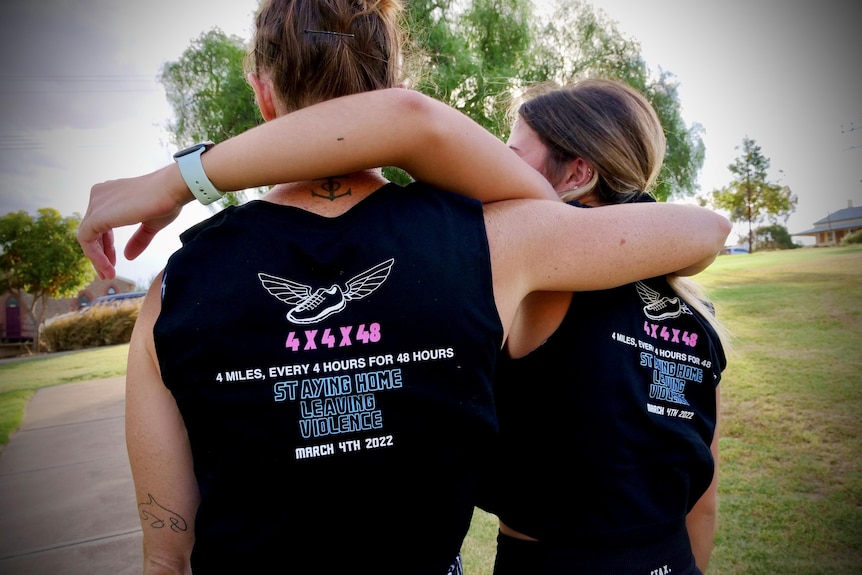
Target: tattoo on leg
(157,515)
(331,186)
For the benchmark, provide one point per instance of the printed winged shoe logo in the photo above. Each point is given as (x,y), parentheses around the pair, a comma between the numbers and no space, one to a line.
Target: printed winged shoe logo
(660,307)
(311,305)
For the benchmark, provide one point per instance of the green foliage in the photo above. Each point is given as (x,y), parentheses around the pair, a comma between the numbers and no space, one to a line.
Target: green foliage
(92,327)
(479,54)
(41,257)
(751,197)
(208,92)
(209,95)
(578,41)
(854,238)
(471,54)
(474,55)
(774,237)
(685,147)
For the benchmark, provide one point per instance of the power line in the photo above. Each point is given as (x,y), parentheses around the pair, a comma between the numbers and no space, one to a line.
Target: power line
(75,77)
(20,142)
(77,83)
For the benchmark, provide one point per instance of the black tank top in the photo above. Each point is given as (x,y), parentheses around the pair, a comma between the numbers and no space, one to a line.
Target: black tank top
(334,378)
(606,428)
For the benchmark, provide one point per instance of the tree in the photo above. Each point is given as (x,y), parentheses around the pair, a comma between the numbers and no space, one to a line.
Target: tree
(209,95)
(685,148)
(41,258)
(750,197)
(774,237)
(478,54)
(579,41)
(474,55)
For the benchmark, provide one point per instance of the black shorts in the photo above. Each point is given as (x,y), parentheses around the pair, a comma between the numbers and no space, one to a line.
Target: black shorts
(670,556)
(456,568)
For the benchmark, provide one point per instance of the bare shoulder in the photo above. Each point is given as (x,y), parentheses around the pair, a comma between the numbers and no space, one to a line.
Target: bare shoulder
(505,213)
(152,305)
(518,232)
(514,226)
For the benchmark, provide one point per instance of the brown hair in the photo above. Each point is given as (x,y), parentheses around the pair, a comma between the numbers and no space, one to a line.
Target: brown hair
(617,131)
(605,122)
(316,50)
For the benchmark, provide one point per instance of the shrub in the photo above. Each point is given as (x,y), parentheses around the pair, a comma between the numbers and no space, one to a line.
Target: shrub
(774,237)
(92,327)
(854,238)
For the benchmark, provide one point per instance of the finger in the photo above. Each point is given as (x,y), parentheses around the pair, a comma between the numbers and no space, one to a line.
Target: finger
(108,247)
(101,262)
(138,242)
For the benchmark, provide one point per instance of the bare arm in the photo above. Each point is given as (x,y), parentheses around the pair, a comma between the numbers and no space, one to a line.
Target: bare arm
(701,520)
(697,267)
(548,246)
(600,248)
(159,453)
(432,141)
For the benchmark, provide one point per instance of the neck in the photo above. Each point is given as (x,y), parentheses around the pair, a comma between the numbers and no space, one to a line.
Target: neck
(588,199)
(330,196)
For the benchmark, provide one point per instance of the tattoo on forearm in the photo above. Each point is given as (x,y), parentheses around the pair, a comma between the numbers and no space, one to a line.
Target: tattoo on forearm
(331,186)
(157,516)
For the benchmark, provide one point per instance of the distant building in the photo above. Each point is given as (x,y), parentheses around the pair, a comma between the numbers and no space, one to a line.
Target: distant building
(15,324)
(830,230)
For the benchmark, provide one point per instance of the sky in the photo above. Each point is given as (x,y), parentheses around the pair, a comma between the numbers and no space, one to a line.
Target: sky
(80,102)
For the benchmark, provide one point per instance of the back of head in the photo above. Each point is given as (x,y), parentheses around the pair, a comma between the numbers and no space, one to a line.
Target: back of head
(617,131)
(315,50)
(605,122)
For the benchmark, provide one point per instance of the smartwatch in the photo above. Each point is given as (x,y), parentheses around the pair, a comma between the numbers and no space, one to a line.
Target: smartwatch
(189,162)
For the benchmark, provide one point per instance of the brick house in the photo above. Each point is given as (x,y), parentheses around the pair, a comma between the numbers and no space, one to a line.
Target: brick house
(16,326)
(830,230)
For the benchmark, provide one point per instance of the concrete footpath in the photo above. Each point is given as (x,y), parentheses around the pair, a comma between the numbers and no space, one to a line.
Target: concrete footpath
(67,505)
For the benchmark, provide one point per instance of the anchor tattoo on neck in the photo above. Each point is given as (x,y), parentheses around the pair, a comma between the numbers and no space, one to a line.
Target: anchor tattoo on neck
(331,186)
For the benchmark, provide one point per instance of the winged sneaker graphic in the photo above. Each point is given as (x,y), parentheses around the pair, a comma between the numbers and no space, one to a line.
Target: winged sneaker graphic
(311,305)
(660,307)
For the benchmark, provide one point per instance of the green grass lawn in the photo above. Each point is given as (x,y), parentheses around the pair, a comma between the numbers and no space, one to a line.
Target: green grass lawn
(790,481)
(20,378)
(790,485)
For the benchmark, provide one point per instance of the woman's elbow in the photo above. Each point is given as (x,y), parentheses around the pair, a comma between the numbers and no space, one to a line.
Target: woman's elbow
(723,227)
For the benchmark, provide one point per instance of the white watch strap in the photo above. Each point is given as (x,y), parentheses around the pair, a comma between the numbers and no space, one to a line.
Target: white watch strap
(196,179)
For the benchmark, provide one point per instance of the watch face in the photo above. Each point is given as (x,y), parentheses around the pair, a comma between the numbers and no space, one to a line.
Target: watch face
(204,146)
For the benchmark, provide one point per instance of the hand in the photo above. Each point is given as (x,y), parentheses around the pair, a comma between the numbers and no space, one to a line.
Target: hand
(153,200)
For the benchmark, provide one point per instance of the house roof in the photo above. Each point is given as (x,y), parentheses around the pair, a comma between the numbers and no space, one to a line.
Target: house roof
(841,215)
(834,227)
(844,219)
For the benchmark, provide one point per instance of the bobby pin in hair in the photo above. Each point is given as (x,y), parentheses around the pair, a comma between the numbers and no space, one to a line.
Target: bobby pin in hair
(329,33)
